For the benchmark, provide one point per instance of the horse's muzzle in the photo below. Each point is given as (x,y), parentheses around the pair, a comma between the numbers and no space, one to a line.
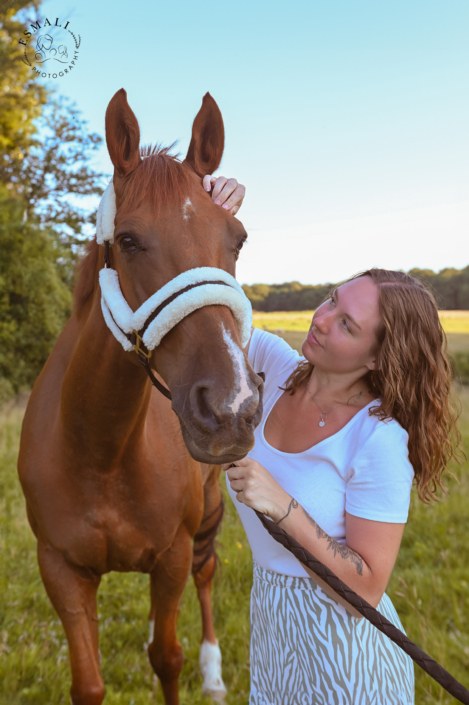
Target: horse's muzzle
(212,430)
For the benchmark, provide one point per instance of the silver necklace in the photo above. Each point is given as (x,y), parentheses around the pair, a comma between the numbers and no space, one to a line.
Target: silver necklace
(323,415)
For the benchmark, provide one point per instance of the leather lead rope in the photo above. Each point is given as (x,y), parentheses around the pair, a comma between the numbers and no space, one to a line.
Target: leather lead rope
(429,665)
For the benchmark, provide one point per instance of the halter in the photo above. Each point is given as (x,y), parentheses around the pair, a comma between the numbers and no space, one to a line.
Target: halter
(142,330)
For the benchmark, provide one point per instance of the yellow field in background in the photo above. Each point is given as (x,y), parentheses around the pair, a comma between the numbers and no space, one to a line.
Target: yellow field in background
(453,321)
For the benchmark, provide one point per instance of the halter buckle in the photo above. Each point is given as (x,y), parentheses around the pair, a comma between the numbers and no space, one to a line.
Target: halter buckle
(139,346)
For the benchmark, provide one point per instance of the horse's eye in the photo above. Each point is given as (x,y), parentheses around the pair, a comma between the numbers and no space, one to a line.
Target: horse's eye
(239,246)
(128,244)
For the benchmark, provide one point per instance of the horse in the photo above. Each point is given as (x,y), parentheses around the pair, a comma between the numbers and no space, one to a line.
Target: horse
(116,476)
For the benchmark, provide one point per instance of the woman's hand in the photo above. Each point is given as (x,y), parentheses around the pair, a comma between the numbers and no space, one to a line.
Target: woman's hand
(225,192)
(256,488)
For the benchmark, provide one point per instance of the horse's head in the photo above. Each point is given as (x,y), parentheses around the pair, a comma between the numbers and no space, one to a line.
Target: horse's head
(166,224)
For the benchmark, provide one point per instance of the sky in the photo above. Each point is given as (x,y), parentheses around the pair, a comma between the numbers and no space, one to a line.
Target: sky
(346,120)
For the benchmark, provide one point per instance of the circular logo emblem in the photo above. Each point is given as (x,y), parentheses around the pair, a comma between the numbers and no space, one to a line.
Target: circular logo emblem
(50,48)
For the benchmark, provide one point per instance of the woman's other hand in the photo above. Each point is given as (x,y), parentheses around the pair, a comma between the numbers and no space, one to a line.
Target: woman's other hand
(226,193)
(256,488)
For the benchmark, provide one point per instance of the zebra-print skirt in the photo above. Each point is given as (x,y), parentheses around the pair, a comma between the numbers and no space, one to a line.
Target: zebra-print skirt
(307,649)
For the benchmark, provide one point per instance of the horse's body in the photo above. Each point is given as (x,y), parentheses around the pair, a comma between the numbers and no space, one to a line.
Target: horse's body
(108,479)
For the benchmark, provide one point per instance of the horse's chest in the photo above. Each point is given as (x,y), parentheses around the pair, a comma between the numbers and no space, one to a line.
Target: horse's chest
(118,525)
(106,539)
(134,542)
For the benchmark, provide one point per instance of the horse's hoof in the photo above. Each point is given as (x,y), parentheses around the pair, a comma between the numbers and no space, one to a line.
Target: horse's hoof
(210,665)
(218,696)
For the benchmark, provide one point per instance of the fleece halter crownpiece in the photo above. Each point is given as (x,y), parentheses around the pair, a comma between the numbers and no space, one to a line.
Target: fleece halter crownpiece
(143,330)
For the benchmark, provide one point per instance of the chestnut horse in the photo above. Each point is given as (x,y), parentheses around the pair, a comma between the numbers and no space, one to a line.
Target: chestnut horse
(114,480)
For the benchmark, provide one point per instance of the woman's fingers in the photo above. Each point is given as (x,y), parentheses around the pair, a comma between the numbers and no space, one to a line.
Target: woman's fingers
(222,189)
(243,462)
(234,201)
(225,192)
(235,474)
(207,182)
(237,485)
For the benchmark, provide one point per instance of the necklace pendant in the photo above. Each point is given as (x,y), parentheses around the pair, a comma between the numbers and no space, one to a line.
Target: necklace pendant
(322,423)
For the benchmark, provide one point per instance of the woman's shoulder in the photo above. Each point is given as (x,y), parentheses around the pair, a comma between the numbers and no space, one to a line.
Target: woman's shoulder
(369,436)
(380,475)
(381,441)
(387,430)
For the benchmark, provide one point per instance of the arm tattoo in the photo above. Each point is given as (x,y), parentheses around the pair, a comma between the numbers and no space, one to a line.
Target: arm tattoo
(344,551)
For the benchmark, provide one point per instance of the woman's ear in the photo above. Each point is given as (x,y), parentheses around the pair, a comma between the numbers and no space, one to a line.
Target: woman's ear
(208,138)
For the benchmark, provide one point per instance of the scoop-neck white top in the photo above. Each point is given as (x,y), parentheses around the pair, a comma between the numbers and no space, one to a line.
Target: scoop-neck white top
(363,469)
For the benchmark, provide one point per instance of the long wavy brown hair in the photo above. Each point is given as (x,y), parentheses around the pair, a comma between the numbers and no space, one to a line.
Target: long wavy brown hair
(413,375)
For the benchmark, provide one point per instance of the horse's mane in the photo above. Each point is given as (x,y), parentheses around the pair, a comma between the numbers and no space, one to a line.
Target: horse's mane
(160,178)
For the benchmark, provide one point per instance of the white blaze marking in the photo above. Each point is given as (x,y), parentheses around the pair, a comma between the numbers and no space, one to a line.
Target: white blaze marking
(152,633)
(186,209)
(210,665)
(244,391)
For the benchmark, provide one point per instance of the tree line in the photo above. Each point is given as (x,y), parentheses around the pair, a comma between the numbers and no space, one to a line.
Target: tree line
(45,152)
(450,287)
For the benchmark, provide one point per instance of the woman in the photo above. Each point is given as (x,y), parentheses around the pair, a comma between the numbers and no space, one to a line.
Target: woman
(346,430)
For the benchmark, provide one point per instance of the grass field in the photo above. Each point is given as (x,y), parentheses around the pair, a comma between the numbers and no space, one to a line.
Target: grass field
(429,587)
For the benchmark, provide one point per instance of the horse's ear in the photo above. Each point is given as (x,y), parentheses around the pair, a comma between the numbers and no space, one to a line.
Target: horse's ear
(122,134)
(208,138)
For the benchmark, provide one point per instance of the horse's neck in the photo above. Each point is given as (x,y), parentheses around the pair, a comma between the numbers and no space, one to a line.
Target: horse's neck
(105,396)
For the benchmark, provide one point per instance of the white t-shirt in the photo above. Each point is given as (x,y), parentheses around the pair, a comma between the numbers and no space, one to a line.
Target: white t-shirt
(363,469)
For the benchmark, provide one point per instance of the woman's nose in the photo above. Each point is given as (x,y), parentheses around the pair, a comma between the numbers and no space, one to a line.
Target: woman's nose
(322,322)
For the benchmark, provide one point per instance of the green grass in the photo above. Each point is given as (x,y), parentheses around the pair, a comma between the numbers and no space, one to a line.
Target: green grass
(429,587)
(453,321)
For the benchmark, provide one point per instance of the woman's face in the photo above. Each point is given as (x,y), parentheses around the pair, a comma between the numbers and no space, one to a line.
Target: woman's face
(342,335)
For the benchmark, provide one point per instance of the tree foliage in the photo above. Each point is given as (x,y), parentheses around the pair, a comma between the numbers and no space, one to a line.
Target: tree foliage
(35,298)
(45,154)
(21,96)
(450,287)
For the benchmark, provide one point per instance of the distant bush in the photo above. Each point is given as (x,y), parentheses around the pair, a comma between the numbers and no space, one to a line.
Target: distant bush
(460,362)
(291,296)
(450,287)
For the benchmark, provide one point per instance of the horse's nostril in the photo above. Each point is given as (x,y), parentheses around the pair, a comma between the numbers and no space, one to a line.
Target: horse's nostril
(214,407)
(201,406)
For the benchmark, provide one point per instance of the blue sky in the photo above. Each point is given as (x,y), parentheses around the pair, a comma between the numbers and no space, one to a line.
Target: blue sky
(345,119)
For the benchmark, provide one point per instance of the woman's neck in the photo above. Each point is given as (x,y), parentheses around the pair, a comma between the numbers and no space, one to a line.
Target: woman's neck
(333,388)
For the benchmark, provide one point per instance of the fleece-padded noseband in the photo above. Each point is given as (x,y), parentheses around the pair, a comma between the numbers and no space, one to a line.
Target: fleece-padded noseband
(189,291)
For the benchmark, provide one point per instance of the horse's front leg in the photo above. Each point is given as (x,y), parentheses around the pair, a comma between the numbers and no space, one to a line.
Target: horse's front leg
(73,595)
(203,569)
(168,580)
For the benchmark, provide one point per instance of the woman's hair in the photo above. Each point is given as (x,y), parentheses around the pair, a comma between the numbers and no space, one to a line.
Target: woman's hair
(412,376)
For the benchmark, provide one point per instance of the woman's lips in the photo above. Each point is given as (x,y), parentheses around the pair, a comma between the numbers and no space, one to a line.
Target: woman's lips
(311,339)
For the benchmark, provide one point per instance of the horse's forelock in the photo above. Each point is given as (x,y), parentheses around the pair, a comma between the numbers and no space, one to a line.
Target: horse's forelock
(159,179)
